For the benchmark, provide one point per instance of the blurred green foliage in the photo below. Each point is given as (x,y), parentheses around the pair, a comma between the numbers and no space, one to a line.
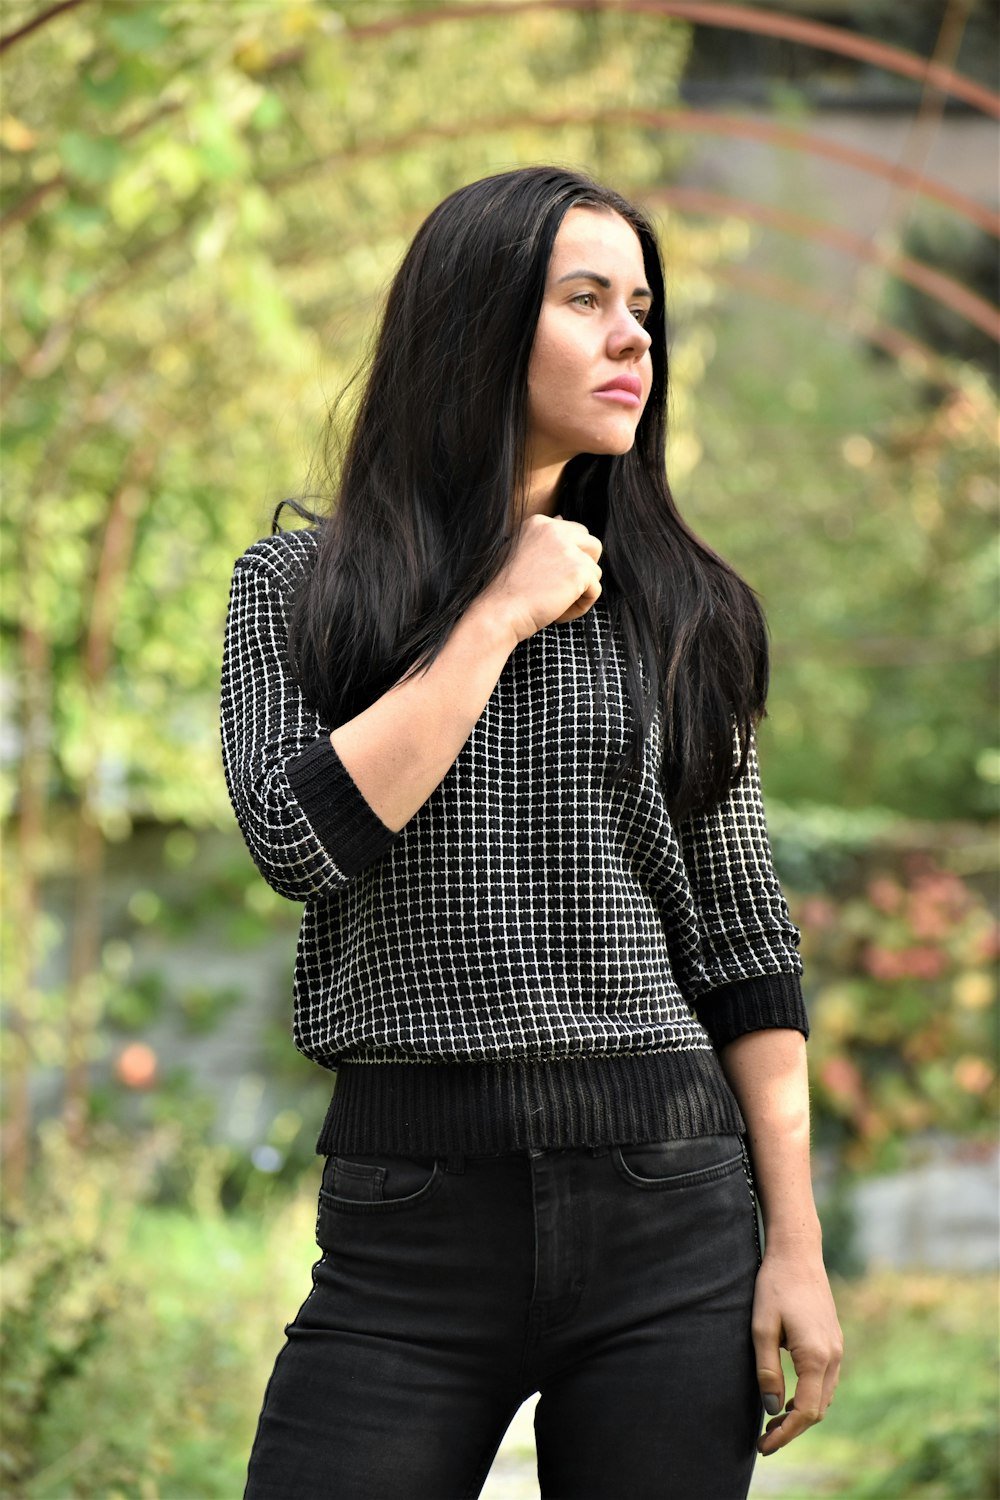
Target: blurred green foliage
(63,1288)
(861,500)
(201,207)
(890,1434)
(125,1334)
(201,210)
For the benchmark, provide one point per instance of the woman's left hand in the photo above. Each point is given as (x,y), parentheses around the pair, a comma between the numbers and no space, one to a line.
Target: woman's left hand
(793,1309)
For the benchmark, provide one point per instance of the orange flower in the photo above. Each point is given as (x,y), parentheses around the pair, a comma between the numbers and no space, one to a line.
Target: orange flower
(843,1080)
(136,1066)
(972,1074)
(885,894)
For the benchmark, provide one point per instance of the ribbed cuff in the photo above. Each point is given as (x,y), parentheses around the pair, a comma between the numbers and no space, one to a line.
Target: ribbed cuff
(752,1005)
(344,822)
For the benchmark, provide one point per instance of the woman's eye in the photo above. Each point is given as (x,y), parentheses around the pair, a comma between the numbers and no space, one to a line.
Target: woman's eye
(639,313)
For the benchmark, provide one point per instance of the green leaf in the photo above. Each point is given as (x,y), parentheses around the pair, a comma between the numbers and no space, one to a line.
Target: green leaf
(28,296)
(221,151)
(80,218)
(79,280)
(268,113)
(106,92)
(92,159)
(137,30)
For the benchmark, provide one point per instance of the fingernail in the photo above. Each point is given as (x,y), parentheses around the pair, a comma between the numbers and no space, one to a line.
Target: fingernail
(772,1404)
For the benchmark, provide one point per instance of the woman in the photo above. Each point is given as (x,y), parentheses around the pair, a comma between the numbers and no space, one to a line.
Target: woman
(493,720)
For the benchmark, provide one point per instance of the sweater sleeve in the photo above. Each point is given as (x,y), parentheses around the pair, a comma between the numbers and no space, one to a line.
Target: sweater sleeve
(305,822)
(751,964)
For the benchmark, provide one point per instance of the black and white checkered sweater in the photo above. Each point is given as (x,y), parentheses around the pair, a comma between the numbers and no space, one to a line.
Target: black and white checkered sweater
(537,958)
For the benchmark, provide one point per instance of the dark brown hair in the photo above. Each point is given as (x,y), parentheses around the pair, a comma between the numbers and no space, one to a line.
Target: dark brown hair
(417,521)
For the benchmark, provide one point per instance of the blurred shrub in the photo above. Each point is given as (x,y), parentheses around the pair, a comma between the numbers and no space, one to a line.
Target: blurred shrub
(838,1217)
(962,251)
(139,1337)
(62,1286)
(893,1432)
(902,985)
(818,845)
(959,1458)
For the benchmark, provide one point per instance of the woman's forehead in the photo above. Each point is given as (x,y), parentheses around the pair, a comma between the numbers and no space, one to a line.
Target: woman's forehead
(587,236)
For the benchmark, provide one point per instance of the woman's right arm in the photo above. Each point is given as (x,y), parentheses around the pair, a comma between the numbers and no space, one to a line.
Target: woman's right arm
(402,747)
(316,807)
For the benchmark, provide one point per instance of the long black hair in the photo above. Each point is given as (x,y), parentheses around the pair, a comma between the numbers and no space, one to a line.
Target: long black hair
(419,520)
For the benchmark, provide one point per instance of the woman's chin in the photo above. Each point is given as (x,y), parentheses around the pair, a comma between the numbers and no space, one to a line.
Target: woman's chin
(612,447)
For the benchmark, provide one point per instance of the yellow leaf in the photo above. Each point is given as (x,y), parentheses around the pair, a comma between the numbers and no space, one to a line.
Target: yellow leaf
(299,20)
(251,56)
(973,991)
(15,135)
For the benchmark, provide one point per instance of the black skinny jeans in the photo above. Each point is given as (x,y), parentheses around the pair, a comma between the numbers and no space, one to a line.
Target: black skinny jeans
(616,1281)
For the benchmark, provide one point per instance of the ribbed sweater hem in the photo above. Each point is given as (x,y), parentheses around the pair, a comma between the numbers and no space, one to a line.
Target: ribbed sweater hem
(488,1109)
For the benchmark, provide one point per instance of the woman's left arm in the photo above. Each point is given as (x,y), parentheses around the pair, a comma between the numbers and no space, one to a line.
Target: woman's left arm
(793,1304)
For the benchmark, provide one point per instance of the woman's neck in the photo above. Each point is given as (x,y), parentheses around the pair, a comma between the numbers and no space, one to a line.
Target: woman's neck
(543,491)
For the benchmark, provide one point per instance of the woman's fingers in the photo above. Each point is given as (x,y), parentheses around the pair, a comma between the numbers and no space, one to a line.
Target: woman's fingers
(817,1380)
(804,1410)
(771,1379)
(830,1381)
(794,1309)
(767,1342)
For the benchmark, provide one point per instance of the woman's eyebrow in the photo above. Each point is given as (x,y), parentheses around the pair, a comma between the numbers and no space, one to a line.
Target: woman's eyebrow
(639,291)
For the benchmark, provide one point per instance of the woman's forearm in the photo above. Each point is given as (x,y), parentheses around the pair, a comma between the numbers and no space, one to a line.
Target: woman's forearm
(401,747)
(793,1305)
(767,1072)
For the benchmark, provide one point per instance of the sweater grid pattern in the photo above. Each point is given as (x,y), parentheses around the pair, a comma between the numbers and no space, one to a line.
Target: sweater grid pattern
(530,913)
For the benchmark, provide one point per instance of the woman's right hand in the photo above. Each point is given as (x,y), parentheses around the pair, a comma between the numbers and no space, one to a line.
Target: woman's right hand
(552,576)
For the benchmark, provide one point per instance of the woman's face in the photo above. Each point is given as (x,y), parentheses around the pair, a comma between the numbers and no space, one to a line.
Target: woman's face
(589,335)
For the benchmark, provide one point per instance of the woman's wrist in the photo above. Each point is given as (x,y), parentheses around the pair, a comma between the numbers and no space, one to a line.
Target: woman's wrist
(797,1236)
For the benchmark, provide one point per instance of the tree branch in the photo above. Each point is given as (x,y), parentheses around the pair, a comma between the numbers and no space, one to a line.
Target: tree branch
(42,19)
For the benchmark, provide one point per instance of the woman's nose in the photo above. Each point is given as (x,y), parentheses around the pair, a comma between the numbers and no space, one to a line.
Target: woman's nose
(628,335)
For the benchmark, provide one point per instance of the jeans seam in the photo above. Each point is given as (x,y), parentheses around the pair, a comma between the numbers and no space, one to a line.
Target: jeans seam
(752,1187)
(681,1180)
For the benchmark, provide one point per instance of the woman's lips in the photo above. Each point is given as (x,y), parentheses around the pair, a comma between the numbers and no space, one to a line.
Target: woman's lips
(623,397)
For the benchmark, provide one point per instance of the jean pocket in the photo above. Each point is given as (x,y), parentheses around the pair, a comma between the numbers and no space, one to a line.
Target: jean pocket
(665,1166)
(378,1184)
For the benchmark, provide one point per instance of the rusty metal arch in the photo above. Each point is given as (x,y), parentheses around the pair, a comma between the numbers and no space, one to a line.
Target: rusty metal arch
(687,119)
(900,346)
(729,17)
(943,288)
(933,283)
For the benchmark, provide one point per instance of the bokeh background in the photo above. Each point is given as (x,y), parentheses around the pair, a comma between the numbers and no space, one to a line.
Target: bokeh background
(202,204)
